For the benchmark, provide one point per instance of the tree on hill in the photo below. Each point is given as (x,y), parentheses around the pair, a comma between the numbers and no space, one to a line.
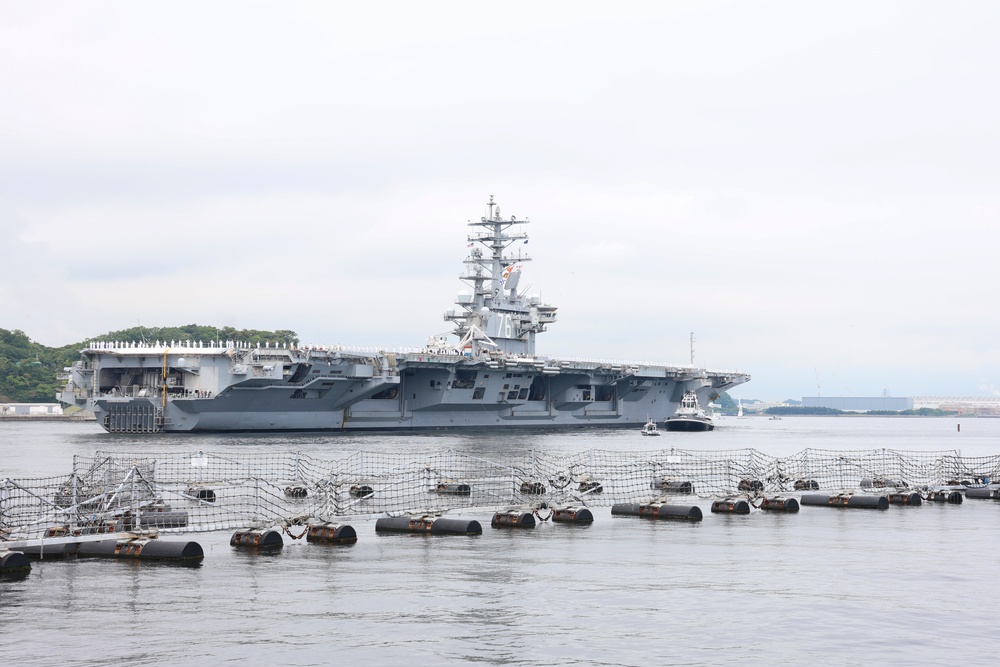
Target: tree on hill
(28,370)
(726,404)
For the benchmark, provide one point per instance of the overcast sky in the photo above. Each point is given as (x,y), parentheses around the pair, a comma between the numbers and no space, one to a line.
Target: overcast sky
(811,188)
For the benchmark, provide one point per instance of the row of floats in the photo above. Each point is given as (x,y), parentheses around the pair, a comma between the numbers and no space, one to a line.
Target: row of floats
(146,547)
(141,547)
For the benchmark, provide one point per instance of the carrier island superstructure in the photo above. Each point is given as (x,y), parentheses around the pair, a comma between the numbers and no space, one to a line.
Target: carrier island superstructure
(490,378)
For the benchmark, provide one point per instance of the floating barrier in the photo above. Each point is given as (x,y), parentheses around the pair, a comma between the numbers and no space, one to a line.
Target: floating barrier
(658,511)
(163,519)
(265,489)
(779,504)
(731,506)
(944,496)
(513,519)
(846,500)
(879,482)
(159,517)
(201,493)
(454,489)
(572,515)
(92,528)
(428,525)
(50,551)
(143,548)
(14,564)
(983,492)
(257,539)
(101,526)
(671,486)
(533,488)
(331,533)
(910,498)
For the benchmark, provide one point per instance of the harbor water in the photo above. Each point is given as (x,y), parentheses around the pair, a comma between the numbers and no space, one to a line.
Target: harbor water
(825,586)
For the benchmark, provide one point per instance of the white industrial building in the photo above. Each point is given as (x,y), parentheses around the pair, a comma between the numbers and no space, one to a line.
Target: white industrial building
(987,406)
(859,403)
(29,409)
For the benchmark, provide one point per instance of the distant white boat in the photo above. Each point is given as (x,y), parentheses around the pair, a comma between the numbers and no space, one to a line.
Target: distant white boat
(775,418)
(650,428)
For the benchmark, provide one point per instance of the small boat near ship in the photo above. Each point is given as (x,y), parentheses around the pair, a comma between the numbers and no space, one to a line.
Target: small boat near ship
(689,416)
(650,428)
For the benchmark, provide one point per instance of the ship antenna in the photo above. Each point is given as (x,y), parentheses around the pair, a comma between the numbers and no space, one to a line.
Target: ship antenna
(692,348)
(491,205)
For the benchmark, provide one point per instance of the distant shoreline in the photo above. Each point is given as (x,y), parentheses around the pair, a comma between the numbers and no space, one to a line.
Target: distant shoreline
(49,418)
(765,415)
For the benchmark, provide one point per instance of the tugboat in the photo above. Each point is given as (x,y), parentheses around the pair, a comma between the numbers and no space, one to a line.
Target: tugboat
(689,416)
(650,428)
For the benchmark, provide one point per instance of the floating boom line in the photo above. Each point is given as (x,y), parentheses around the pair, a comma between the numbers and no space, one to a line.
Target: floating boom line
(207,491)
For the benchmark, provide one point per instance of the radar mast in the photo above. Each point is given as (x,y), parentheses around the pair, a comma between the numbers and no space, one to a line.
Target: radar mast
(495,317)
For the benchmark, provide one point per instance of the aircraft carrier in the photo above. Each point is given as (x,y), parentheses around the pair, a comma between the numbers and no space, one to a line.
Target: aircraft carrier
(489,378)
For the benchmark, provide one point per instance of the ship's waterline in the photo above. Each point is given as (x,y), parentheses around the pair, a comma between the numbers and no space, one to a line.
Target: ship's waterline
(490,377)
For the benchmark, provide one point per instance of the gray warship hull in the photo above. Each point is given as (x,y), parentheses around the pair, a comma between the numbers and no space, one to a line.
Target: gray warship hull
(490,378)
(237,388)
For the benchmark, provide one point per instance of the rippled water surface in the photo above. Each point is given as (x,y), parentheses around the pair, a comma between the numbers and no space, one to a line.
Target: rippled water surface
(823,587)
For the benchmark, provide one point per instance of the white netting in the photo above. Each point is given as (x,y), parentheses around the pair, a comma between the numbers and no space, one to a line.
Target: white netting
(198,491)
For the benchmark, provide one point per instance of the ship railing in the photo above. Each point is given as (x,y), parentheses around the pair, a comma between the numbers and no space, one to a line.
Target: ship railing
(150,391)
(604,362)
(715,372)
